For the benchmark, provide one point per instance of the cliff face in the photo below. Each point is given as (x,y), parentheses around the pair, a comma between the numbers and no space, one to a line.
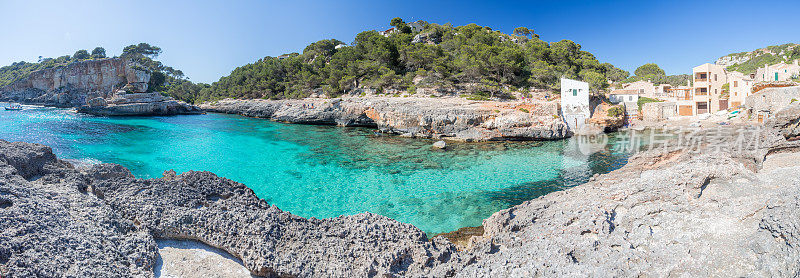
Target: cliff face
(72,85)
(454,118)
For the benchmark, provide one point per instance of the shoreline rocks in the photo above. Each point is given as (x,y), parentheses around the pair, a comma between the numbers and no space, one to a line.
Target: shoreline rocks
(670,211)
(127,104)
(107,87)
(451,118)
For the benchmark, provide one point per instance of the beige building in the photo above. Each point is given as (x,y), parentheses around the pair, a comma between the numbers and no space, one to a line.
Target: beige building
(778,72)
(739,88)
(706,94)
(643,88)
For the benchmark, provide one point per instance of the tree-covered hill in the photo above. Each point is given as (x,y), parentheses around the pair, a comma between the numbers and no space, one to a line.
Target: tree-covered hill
(748,62)
(163,78)
(471,59)
(21,69)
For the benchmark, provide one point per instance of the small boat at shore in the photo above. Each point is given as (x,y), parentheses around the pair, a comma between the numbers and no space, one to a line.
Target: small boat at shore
(14,107)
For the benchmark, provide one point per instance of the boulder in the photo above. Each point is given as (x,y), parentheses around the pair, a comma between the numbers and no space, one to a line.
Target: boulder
(97,102)
(440,145)
(138,87)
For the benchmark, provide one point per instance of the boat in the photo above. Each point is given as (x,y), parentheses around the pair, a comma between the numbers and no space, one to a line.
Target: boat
(14,107)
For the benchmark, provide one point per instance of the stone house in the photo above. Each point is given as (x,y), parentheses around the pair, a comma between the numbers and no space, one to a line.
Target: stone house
(628,98)
(643,88)
(778,72)
(623,95)
(574,103)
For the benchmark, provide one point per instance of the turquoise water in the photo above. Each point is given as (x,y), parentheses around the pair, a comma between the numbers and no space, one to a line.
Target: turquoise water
(322,171)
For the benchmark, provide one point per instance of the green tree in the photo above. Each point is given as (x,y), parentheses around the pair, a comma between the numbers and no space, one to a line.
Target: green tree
(81,55)
(99,52)
(650,69)
(141,49)
(523,31)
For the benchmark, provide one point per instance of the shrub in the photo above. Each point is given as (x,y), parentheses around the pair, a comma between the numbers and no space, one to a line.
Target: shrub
(616,111)
(643,100)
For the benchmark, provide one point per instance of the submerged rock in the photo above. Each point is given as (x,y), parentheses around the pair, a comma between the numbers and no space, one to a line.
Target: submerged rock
(440,145)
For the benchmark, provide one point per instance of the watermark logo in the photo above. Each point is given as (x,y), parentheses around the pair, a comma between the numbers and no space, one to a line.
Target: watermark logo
(692,139)
(589,144)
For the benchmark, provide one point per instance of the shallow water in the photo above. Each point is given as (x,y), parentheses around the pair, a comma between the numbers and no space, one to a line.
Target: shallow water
(323,171)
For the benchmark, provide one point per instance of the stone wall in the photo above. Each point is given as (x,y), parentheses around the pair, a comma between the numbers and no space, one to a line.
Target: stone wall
(659,111)
(772,99)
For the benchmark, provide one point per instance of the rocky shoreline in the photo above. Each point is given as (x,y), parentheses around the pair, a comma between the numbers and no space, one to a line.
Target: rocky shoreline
(670,211)
(105,87)
(450,118)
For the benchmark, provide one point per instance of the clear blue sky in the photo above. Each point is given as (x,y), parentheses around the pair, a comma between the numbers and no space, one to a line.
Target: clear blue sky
(208,39)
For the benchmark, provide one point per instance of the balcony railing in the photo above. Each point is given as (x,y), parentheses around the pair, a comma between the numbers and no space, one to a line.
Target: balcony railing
(700,79)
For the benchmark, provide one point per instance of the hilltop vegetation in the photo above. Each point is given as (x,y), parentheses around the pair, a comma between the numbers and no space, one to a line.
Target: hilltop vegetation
(163,78)
(21,69)
(471,59)
(653,73)
(748,62)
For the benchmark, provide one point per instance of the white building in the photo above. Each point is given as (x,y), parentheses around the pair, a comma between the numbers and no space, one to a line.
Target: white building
(739,88)
(574,103)
(623,95)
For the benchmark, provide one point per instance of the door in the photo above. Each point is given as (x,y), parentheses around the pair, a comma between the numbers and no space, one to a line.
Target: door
(723,104)
(685,110)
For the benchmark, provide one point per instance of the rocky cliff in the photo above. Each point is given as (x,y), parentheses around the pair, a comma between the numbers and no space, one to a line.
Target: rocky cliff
(704,209)
(91,83)
(454,118)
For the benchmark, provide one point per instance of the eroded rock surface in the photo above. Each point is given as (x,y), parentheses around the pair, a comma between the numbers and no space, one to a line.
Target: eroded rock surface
(454,118)
(674,211)
(103,222)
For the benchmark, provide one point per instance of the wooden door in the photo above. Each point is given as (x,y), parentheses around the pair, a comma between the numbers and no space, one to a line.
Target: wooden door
(723,104)
(685,110)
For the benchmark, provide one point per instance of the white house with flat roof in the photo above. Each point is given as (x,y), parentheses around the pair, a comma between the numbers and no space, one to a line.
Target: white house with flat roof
(574,103)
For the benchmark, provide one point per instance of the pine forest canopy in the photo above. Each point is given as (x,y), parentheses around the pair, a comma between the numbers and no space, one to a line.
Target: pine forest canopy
(469,58)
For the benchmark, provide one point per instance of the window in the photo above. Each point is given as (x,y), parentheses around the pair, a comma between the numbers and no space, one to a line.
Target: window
(630,98)
(735,84)
(574,92)
(715,77)
(641,91)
